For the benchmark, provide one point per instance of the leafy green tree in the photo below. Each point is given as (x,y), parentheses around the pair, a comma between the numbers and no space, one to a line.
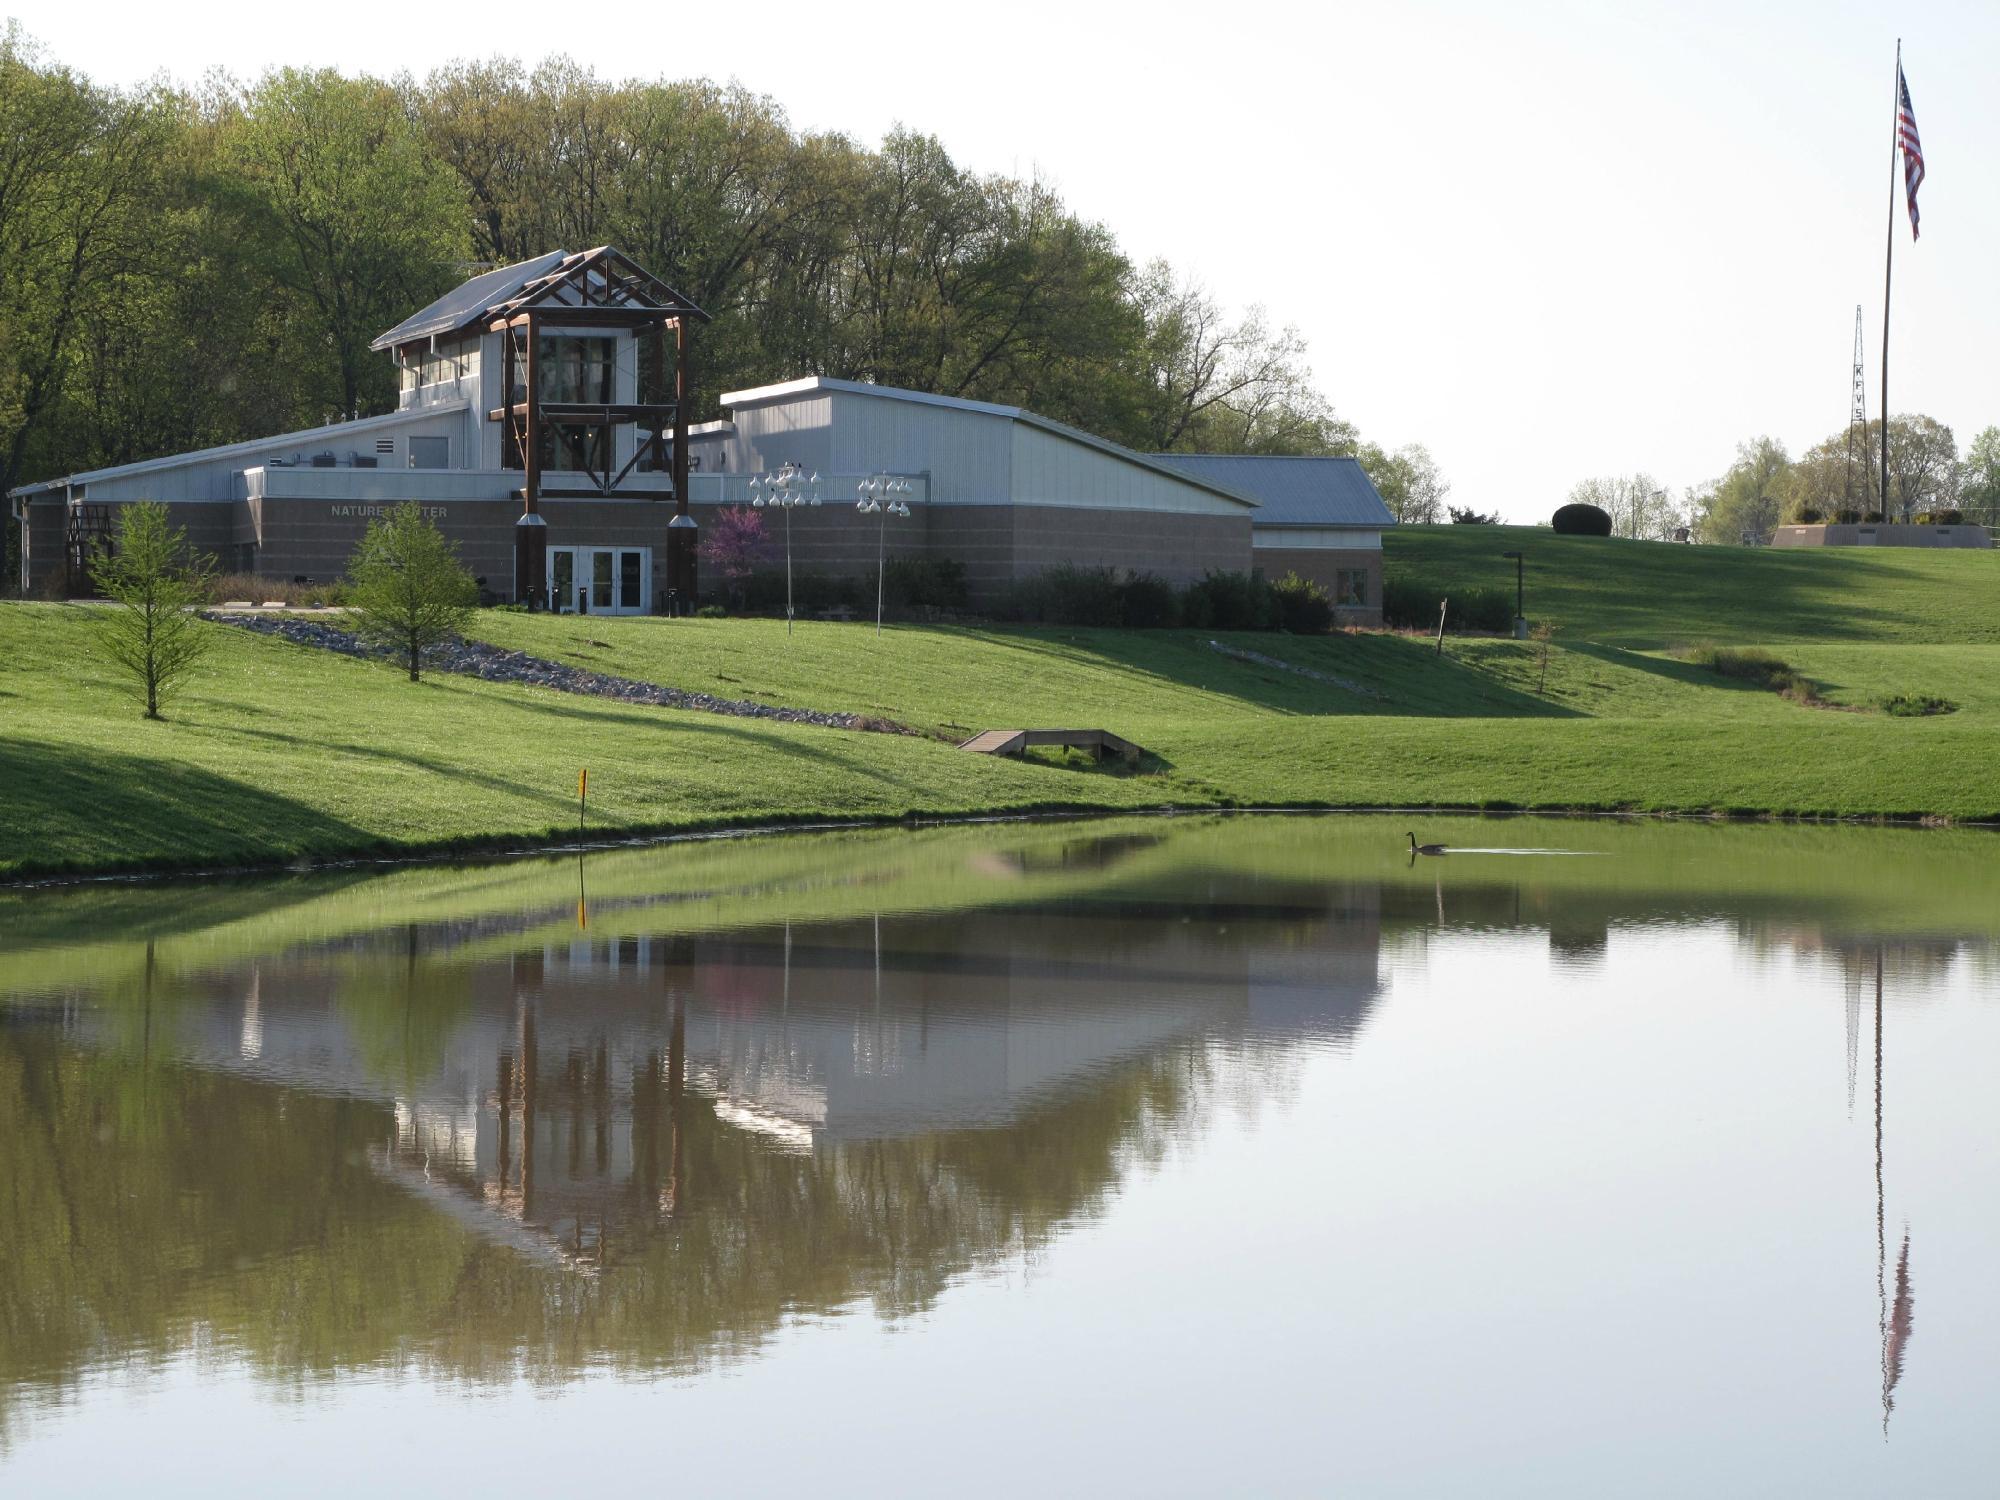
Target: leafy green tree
(1979,479)
(152,633)
(359,222)
(1638,504)
(1409,482)
(1227,385)
(408,586)
(77,169)
(1746,503)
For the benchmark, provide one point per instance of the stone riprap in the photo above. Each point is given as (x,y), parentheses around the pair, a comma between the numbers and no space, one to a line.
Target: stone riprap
(478,659)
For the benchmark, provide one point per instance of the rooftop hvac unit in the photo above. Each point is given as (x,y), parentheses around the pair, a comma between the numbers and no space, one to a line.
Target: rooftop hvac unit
(322,460)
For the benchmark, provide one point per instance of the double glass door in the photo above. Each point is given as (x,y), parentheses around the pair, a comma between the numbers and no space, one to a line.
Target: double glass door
(600,580)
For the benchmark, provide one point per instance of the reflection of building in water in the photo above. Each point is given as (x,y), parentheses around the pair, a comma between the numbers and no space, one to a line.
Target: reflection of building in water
(550,1108)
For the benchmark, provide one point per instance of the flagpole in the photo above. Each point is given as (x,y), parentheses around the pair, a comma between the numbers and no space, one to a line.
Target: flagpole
(1888,266)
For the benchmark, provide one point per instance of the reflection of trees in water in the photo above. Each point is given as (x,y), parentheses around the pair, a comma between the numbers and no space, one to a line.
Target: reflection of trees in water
(151,1209)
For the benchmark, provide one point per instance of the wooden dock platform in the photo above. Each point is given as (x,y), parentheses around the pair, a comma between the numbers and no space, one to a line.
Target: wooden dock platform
(1018,741)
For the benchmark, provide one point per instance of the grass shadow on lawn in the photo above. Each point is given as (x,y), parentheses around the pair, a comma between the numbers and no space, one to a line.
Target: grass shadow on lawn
(1650,595)
(107,808)
(1399,676)
(1686,673)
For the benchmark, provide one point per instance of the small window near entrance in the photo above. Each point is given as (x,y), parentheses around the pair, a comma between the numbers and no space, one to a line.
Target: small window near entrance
(629,596)
(430,452)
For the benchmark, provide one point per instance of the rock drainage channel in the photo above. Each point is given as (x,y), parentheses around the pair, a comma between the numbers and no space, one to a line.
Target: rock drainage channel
(492,664)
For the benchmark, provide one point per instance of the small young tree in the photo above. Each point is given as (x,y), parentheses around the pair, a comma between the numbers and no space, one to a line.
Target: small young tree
(1545,636)
(152,632)
(408,586)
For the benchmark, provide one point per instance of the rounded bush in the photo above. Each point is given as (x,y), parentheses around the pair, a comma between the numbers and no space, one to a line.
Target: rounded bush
(1582,520)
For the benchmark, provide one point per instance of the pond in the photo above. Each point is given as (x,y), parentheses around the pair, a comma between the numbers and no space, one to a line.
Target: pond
(1163,1156)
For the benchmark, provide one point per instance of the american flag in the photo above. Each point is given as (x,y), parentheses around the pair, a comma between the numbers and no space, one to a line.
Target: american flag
(1913,151)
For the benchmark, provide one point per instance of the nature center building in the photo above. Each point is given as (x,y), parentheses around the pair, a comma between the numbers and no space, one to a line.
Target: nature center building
(542,425)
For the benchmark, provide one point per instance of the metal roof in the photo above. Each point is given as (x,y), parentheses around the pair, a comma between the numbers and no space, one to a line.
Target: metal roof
(465,303)
(1291,491)
(811,383)
(619,280)
(305,437)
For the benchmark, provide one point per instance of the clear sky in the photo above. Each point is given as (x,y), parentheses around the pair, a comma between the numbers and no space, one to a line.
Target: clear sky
(1547,240)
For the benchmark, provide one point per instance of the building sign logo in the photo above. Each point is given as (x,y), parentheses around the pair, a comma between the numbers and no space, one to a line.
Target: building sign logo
(381,512)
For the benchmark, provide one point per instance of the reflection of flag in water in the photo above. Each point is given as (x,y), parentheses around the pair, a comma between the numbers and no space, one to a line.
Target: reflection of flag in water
(1896,1332)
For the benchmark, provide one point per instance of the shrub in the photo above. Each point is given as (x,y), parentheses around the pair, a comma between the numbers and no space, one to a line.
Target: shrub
(1150,603)
(1067,594)
(1579,519)
(225,587)
(1809,516)
(763,593)
(1754,665)
(1848,517)
(1872,517)
(1231,601)
(1942,518)
(711,612)
(928,583)
(1465,515)
(1304,608)
(1917,705)
(1411,605)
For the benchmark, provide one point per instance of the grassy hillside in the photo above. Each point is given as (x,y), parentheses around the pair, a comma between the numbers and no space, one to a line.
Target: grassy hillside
(1654,595)
(279,751)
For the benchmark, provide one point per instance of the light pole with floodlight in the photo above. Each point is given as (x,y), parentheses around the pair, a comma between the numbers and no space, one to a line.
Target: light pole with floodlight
(785,490)
(883,495)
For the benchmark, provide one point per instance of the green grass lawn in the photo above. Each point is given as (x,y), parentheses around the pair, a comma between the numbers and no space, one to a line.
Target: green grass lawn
(1655,595)
(279,752)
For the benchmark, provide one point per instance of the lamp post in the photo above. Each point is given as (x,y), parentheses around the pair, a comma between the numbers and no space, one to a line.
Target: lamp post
(882,494)
(1520,613)
(785,490)
(1650,498)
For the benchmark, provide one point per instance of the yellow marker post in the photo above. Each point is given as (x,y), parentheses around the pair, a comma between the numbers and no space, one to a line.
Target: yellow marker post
(582,797)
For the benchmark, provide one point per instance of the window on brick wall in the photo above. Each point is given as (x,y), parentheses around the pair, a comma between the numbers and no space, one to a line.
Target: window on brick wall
(1350,587)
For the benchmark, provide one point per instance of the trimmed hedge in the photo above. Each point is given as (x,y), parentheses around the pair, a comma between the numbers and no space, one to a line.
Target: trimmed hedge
(1579,519)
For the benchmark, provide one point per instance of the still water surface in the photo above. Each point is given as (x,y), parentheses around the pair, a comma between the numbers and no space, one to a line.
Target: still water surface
(1178,1156)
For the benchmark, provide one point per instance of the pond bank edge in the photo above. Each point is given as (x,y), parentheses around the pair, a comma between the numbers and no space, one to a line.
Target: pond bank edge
(394,853)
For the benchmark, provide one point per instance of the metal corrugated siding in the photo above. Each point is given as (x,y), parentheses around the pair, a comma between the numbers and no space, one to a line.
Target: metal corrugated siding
(1291,491)
(1053,470)
(965,452)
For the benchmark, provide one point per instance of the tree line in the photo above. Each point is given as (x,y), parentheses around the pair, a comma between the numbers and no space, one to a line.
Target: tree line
(1838,477)
(189,266)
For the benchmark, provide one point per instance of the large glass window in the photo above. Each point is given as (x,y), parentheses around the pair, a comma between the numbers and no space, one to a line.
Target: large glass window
(577,369)
(559,454)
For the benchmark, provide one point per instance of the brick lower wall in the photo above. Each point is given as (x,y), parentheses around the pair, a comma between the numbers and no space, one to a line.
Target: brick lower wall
(284,538)
(1002,543)
(1321,564)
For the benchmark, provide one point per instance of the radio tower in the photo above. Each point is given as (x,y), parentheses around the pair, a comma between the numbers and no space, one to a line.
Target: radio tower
(1857,415)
